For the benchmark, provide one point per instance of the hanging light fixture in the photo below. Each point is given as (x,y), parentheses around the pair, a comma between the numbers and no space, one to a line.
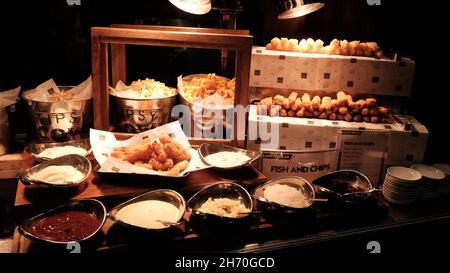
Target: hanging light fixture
(198,7)
(288,9)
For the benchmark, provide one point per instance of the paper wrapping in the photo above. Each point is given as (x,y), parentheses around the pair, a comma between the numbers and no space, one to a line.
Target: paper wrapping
(83,91)
(214,101)
(9,97)
(319,72)
(103,143)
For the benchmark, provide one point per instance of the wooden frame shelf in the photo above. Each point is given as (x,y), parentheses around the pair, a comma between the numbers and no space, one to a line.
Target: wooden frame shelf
(118,36)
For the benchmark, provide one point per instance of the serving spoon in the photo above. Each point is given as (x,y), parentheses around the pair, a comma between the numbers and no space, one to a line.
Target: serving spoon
(348,193)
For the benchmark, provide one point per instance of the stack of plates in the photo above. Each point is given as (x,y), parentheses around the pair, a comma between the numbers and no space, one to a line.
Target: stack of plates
(445,168)
(401,185)
(432,181)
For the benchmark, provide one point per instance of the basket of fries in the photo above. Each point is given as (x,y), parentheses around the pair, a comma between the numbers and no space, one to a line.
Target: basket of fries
(60,113)
(205,95)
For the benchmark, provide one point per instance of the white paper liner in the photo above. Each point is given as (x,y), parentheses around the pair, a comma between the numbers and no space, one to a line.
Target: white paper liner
(9,97)
(124,91)
(83,91)
(103,143)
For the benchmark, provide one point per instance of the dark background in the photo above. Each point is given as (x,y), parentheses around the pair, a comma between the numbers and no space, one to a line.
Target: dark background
(51,39)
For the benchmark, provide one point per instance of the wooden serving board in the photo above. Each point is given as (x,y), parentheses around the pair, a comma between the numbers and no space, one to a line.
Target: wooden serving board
(10,165)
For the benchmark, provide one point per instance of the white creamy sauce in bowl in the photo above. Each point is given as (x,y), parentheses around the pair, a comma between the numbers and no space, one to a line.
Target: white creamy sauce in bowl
(59,175)
(55,152)
(286,195)
(227,159)
(150,214)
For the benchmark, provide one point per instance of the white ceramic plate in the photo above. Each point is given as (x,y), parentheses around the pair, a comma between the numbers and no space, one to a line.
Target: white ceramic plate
(404,174)
(429,172)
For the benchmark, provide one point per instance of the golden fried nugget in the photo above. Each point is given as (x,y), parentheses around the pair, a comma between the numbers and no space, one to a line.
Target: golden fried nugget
(164,155)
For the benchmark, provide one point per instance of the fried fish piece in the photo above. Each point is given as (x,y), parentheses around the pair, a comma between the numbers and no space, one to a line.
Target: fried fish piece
(163,155)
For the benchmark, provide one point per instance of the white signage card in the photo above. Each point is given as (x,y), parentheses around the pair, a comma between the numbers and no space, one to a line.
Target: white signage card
(364,151)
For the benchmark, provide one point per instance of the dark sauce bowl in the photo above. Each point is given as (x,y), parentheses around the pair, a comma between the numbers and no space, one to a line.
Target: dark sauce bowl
(90,206)
(342,182)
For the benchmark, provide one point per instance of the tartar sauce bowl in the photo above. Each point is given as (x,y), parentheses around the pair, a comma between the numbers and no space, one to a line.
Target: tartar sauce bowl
(228,190)
(91,207)
(210,148)
(165,195)
(80,163)
(35,149)
(266,205)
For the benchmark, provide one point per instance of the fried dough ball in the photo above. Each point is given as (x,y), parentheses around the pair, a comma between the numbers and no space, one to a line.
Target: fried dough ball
(297,104)
(292,98)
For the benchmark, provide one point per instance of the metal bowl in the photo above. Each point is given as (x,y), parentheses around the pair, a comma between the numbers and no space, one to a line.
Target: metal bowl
(220,190)
(201,116)
(79,162)
(90,206)
(206,149)
(59,121)
(165,195)
(299,183)
(342,182)
(36,148)
(139,115)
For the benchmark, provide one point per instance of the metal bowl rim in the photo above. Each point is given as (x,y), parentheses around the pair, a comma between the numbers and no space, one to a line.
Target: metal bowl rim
(42,101)
(103,220)
(112,217)
(57,144)
(310,185)
(189,208)
(346,170)
(147,99)
(248,163)
(43,184)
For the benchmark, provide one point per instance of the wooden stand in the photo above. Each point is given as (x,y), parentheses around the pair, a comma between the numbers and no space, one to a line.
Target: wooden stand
(118,36)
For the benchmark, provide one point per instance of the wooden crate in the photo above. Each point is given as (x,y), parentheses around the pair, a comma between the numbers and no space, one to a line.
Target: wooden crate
(118,36)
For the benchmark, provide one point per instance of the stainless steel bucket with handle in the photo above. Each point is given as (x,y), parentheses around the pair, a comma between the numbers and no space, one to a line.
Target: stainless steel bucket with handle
(59,121)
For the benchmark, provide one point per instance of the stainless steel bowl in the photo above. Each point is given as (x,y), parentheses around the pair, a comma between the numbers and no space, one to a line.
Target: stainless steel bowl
(164,195)
(139,115)
(59,121)
(36,148)
(342,182)
(90,206)
(79,162)
(206,123)
(220,190)
(207,148)
(303,186)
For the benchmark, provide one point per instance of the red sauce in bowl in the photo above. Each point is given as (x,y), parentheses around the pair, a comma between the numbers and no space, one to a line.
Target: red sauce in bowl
(65,226)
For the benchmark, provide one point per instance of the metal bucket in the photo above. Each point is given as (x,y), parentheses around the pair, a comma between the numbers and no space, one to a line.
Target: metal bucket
(202,117)
(139,115)
(59,121)
(6,134)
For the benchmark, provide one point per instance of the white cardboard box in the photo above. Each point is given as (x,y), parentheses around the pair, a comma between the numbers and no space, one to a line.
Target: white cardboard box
(361,146)
(407,147)
(319,72)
